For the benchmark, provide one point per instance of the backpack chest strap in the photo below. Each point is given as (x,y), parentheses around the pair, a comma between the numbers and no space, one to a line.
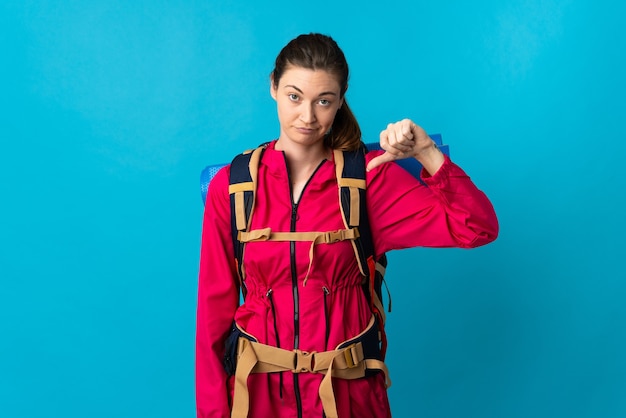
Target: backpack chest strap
(328,237)
(266,234)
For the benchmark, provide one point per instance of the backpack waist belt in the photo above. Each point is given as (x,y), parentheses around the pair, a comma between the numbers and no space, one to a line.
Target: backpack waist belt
(347,362)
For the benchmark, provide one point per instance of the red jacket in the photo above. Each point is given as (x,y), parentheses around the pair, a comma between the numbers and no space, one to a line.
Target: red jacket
(451,212)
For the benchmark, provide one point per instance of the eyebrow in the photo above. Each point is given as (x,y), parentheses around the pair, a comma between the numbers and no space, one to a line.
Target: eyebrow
(326,93)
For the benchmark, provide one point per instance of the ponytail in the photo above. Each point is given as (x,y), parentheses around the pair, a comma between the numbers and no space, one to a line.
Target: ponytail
(345,134)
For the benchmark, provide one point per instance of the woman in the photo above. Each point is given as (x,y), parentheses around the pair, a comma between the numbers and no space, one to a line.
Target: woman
(298,302)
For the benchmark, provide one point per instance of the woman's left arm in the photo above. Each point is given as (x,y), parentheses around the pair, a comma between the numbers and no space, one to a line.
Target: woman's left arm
(450,212)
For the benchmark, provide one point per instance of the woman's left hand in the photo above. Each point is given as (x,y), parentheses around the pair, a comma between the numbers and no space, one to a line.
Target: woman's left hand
(406,139)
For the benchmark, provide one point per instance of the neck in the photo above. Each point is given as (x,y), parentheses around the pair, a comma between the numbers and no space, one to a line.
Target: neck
(302,161)
(303,157)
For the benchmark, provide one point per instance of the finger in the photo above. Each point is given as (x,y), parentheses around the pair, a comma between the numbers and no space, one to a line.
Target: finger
(400,150)
(401,143)
(393,141)
(404,134)
(381,159)
(407,129)
(384,138)
(419,134)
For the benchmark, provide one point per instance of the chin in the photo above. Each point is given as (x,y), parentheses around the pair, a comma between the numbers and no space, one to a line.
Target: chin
(311,138)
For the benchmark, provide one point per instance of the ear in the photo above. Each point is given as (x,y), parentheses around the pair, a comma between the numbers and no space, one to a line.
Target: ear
(272,87)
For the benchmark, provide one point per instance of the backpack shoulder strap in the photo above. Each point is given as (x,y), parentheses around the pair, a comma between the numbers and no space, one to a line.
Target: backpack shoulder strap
(242,190)
(350,167)
(350,173)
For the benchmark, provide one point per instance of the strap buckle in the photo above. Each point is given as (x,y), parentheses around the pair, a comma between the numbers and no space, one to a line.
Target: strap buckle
(304,361)
(333,236)
(351,355)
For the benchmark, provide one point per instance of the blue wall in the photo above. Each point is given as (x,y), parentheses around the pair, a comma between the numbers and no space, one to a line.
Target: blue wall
(110,109)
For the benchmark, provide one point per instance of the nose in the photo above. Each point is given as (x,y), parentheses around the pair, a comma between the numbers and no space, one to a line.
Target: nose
(307,115)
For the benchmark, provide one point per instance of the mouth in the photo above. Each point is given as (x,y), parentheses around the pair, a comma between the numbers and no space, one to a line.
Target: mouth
(305,130)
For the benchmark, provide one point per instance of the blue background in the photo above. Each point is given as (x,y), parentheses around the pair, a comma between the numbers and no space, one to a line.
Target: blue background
(109,110)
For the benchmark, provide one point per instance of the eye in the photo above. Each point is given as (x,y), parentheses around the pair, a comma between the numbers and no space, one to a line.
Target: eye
(293,97)
(324,102)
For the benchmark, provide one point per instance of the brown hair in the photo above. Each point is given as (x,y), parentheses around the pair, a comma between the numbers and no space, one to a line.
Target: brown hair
(320,52)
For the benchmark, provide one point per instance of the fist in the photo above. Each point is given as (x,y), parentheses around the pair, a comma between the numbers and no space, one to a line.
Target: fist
(400,140)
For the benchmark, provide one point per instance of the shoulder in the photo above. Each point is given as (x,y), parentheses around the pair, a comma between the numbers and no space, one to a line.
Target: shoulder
(239,164)
(219,183)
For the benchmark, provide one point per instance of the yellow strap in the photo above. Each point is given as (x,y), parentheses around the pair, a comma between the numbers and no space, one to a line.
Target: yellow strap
(269,359)
(254,175)
(355,204)
(374,364)
(240,211)
(344,363)
(245,364)
(241,187)
(339,162)
(238,190)
(379,305)
(350,182)
(381,269)
(326,394)
(256,235)
(329,237)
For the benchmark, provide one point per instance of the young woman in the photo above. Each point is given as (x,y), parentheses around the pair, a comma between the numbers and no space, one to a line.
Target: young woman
(299,302)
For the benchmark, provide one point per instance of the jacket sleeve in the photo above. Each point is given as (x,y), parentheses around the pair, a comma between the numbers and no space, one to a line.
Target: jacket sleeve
(450,212)
(218,298)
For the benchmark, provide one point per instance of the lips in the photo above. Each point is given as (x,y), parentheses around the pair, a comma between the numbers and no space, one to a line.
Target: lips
(305,130)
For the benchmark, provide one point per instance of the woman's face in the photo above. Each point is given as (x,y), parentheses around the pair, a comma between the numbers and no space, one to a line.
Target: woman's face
(307,101)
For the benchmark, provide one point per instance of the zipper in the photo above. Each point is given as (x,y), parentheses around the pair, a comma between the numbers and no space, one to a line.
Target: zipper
(294,278)
(271,300)
(326,316)
(296,305)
